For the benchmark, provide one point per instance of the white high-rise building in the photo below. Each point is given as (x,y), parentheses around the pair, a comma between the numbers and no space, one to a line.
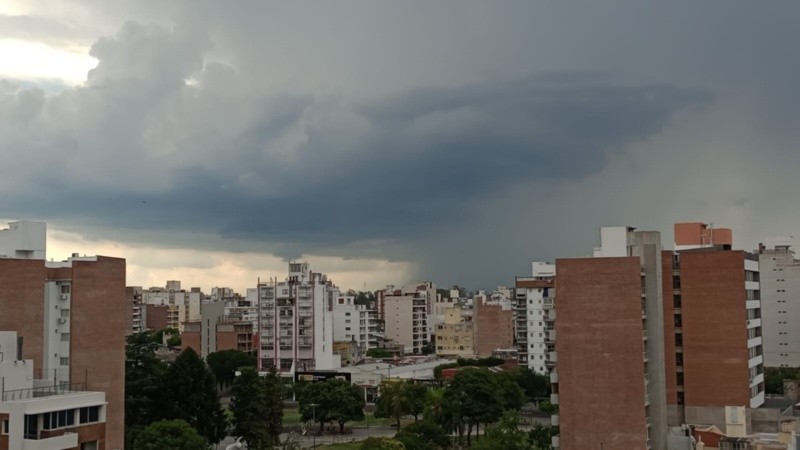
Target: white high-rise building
(296,322)
(780,309)
(534,317)
(354,323)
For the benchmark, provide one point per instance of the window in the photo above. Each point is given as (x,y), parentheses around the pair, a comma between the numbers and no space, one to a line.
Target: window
(64,337)
(679,378)
(64,361)
(65,288)
(89,414)
(65,312)
(5,426)
(676,300)
(58,419)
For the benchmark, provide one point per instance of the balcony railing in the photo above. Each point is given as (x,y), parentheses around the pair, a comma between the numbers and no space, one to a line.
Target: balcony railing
(43,391)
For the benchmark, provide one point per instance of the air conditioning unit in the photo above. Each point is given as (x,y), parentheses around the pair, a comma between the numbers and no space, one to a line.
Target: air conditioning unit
(62,320)
(64,296)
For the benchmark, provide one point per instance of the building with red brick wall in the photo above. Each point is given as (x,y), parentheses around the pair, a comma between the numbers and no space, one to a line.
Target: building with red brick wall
(157,317)
(72,316)
(716,333)
(600,354)
(493,326)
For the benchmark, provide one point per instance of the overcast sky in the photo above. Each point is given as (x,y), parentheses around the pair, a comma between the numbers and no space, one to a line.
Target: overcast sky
(386,142)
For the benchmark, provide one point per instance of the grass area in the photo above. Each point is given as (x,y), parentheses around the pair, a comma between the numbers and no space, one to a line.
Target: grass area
(343,446)
(292,417)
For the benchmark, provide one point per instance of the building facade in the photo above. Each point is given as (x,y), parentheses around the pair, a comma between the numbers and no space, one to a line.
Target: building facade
(455,337)
(406,319)
(42,414)
(610,327)
(494,324)
(534,318)
(296,322)
(713,344)
(780,305)
(354,323)
(72,316)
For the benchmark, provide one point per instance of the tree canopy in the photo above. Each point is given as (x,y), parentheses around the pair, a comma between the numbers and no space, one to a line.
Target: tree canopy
(472,398)
(189,393)
(225,363)
(331,400)
(169,435)
(143,373)
(423,435)
(257,407)
(505,434)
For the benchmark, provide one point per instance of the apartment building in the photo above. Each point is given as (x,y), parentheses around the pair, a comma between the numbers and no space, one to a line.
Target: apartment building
(180,306)
(609,330)
(455,337)
(296,321)
(72,316)
(712,325)
(137,310)
(406,316)
(45,414)
(424,291)
(780,305)
(534,318)
(354,323)
(699,331)
(493,323)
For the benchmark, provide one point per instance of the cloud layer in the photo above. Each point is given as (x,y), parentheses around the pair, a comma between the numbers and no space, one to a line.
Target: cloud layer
(193,131)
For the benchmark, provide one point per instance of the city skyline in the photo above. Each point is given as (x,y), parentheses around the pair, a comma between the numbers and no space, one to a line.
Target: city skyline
(375,140)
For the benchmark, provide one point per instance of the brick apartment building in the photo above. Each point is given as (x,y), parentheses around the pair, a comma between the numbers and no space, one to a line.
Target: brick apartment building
(493,325)
(684,325)
(72,316)
(712,310)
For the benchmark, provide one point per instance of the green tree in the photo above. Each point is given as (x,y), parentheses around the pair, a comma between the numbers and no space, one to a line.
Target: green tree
(169,435)
(547,407)
(416,394)
(257,406)
(378,353)
(423,435)
(189,394)
(506,435)
(225,363)
(393,400)
(333,400)
(143,371)
(428,349)
(174,341)
(381,443)
(475,396)
(534,384)
(433,405)
(274,391)
(774,376)
(512,394)
(541,436)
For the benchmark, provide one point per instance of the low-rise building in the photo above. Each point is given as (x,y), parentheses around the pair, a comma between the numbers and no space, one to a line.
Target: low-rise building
(45,414)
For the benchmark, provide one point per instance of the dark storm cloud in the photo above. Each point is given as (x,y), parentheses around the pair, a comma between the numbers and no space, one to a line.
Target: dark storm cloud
(148,150)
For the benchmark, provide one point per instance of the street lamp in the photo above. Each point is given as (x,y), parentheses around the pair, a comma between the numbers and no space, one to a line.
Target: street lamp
(314,420)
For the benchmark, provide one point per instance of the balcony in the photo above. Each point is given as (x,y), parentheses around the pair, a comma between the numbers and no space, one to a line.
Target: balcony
(548,303)
(65,440)
(553,377)
(554,399)
(554,420)
(555,442)
(552,356)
